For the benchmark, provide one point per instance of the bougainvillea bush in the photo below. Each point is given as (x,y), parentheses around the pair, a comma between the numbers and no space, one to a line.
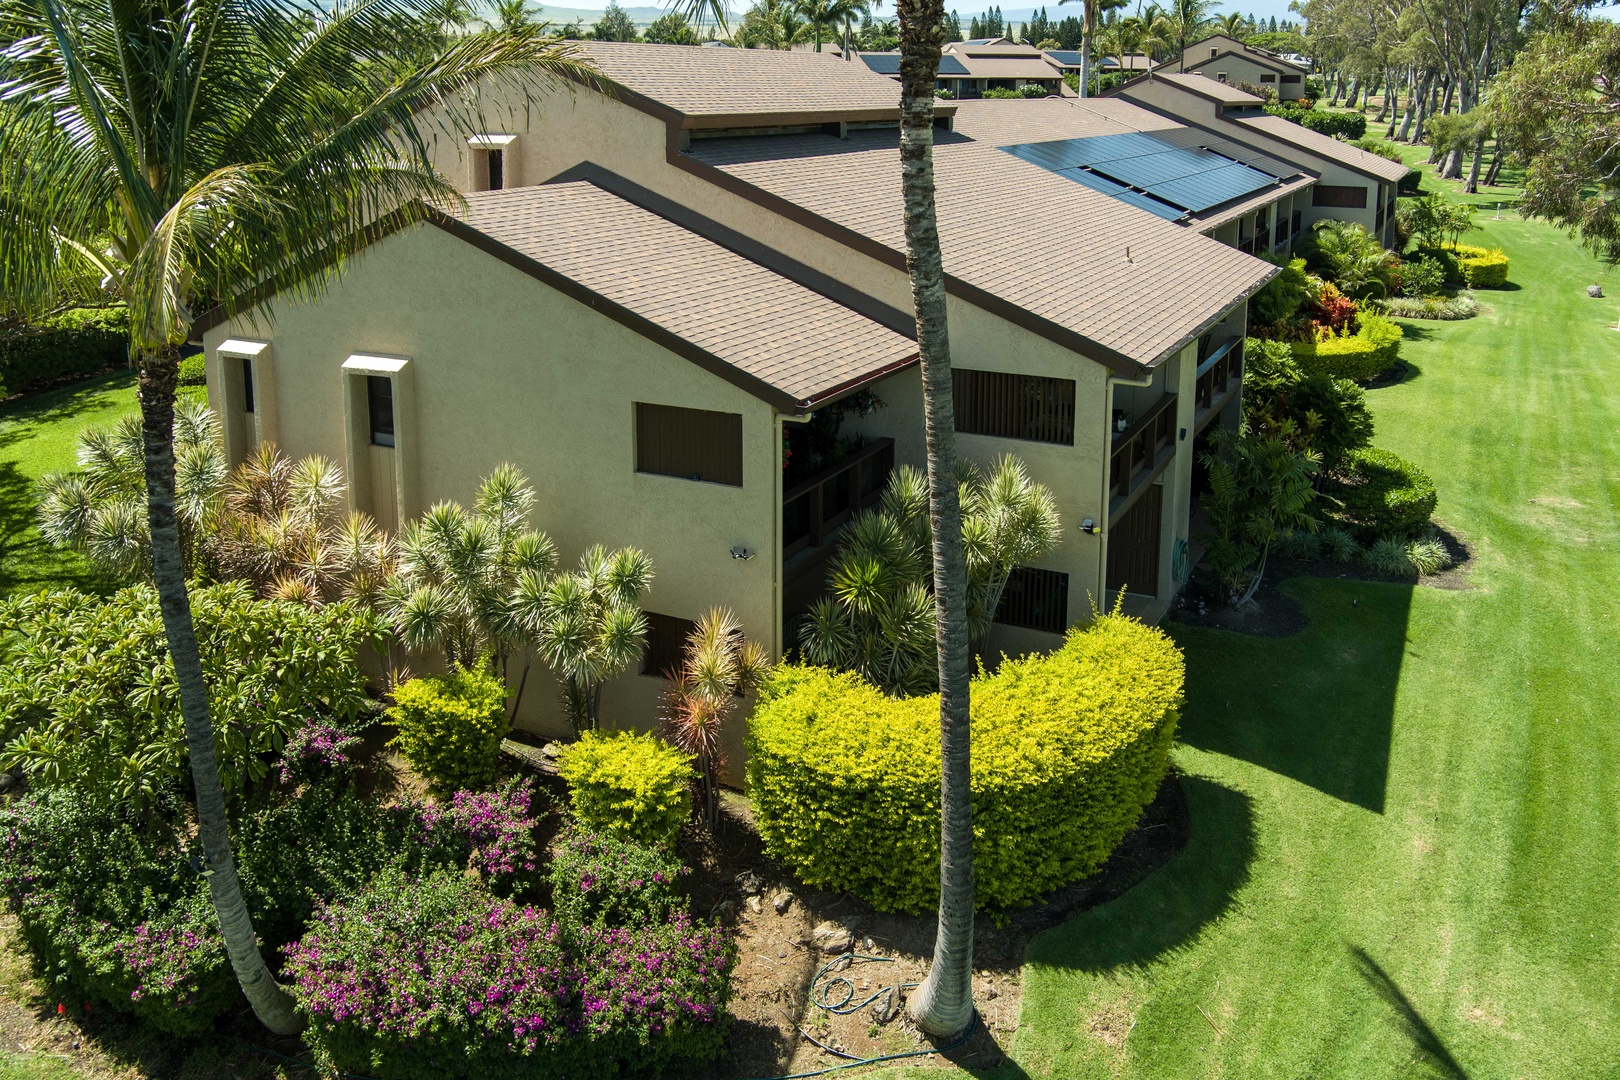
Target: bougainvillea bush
(436,977)
(495,827)
(112,914)
(600,879)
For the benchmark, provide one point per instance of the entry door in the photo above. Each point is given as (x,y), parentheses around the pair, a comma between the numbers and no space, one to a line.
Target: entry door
(1133,545)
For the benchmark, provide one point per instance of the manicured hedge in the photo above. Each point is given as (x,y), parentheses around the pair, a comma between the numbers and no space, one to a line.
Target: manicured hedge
(636,787)
(450,728)
(1067,750)
(1481,268)
(1382,494)
(1351,125)
(1370,351)
(78,342)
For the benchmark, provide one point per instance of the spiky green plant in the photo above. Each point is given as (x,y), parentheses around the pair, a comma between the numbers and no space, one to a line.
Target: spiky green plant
(717,666)
(1259,488)
(1390,555)
(1339,545)
(1427,557)
(587,625)
(1353,259)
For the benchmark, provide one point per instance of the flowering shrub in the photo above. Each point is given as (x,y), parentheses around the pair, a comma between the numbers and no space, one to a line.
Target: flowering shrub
(607,881)
(112,914)
(495,826)
(435,977)
(315,751)
(1333,312)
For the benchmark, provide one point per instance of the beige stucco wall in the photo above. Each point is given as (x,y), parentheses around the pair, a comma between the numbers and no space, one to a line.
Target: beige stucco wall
(505,369)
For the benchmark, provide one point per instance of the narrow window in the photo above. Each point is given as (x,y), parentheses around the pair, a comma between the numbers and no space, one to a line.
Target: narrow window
(666,643)
(1347,196)
(694,444)
(1011,406)
(247,384)
(1035,600)
(496,170)
(1214,52)
(380,399)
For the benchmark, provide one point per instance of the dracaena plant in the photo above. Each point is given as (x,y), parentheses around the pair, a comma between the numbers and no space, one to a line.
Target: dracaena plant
(181,153)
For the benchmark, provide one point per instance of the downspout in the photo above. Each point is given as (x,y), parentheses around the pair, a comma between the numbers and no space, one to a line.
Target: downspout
(1101,531)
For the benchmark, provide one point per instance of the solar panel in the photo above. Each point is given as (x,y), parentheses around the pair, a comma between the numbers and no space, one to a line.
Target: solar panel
(1148,171)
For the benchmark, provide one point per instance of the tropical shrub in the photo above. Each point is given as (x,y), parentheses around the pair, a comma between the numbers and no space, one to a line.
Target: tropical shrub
(1388,555)
(317,751)
(599,879)
(495,827)
(1001,92)
(88,696)
(1366,354)
(879,620)
(1310,412)
(1260,488)
(1033,90)
(1067,750)
(1348,125)
(1444,308)
(1430,220)
(449,727)
(112,914)
(1352,259)
(628,785)
(1382,147)
(1427,556)
(1422,277)
(1380,494)
(1481,268)
(1339,546)
(1282,297)
(433,977)
(193,370)
(75,343)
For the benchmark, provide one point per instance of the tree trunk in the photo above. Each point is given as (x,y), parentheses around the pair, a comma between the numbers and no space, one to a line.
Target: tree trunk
(943,1004)
(1384,104)
(1472,186)
(1496,166)
(271,1004)
(1085,52)
(1414,107)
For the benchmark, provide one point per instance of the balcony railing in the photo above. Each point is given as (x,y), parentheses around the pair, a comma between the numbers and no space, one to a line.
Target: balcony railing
(822,503)
(1218,375)
(1140,449)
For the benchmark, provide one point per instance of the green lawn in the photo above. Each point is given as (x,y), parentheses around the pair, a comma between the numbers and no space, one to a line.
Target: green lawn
(40,435)
(1403,860)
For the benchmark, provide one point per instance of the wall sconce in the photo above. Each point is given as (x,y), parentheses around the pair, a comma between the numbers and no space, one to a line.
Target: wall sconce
(740,552)
(1089,526)
(1183,434)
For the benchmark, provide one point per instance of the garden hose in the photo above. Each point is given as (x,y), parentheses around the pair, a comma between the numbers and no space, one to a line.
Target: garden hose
(820,991)
(1179,560)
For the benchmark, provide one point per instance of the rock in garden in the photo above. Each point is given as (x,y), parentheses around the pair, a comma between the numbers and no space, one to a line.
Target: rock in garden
(551,751)
(833,937)
(886,1007)
(754,905)
(783,901)
(7,781)
(749,883)
(1595,291)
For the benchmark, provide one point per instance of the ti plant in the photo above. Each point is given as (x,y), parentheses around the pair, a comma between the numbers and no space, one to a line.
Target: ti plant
(587,625)
(718,666)
(879,620)
(1260,487)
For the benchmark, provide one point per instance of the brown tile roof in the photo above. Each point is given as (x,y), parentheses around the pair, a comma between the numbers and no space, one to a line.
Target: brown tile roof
(773,334)
(720,87)
(1324,146)
(1006,123)
(1019,67)
(1225,93)
(1128,288)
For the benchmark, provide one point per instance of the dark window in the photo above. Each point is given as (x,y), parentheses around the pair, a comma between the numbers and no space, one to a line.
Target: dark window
(1290,78)
(496,170)
(1035,599)
(1298,216)
(666,643)
(247,384)
(695,444)
(1012,406)
(1351,196)
(1267,79)
(380,401)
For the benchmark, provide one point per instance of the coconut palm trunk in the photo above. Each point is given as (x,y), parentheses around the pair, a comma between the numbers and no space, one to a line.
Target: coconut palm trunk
(943,1004)
(273,1006)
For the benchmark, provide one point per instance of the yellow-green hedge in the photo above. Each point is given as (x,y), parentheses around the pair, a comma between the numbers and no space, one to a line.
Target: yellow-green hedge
(1482,268)
(1067,750)
(636,787)
(1369,352)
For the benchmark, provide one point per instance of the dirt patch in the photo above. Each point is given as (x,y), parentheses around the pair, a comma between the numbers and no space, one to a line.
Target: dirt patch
(779,1027)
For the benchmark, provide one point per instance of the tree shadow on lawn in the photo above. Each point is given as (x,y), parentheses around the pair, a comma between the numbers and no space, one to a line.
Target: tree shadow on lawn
(1317,707)
(21,419)
(1426,1044)
(27,560)
(1174,905)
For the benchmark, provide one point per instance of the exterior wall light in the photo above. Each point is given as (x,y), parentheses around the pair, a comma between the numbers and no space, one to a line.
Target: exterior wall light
(1089,526)
(740,552)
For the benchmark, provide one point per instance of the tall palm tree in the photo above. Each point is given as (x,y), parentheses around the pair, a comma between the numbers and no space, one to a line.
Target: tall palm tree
(772,24)
(511,14)
(821,14)
(943,1004)
(1089,13)
(1232,24)
(193,151)
(1184,18)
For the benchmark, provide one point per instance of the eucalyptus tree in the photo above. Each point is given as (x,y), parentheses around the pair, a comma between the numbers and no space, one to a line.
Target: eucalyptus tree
(180,154)
(587,625)
(1089,13)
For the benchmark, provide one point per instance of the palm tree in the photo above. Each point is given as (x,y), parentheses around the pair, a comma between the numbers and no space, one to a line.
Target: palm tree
(511,14)
(210,150)
(1232,24)
(825,13)
(1355,261)
(718,666)
(588,625)
(772,24)
(1089,13)
(943,1004)
(1184,18)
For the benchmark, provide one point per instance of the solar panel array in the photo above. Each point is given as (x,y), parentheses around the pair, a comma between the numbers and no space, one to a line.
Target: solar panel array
(1149,172)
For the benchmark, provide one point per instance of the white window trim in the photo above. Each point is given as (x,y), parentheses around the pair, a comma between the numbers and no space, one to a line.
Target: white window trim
(238,442)
(357,413)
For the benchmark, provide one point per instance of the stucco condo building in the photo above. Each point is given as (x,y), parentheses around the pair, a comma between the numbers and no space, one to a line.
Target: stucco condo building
(654,289)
